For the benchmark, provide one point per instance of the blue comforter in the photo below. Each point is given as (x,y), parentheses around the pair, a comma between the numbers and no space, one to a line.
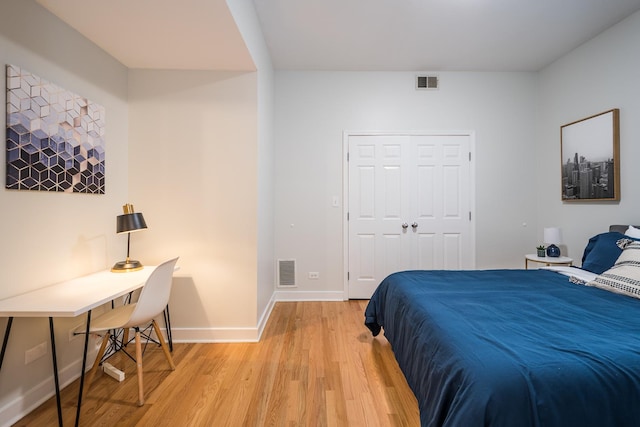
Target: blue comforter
(512,348)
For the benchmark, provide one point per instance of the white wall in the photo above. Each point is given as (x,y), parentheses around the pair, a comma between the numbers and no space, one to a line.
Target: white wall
(314,108)
(247,22)
(203,141)
(49,237)
(193,157)
(598,76)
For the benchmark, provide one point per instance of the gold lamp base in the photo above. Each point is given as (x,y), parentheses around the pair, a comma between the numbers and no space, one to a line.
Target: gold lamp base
(127,266)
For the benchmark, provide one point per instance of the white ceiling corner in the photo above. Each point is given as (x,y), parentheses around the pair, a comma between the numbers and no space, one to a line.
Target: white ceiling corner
(159,34)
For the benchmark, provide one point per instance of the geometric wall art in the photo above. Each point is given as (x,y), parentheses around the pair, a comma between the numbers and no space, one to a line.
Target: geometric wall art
(55,138)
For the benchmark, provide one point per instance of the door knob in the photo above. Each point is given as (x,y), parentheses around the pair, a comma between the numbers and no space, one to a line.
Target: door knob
(405,225)
(414,225)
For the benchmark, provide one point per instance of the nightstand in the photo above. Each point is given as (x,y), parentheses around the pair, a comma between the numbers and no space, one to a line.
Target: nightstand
(548,260)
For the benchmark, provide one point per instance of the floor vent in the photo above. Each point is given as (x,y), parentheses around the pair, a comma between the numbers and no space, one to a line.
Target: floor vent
(427,82)
(286,272)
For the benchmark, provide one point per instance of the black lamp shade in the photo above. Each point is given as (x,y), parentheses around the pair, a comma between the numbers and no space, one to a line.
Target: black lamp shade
(130,222)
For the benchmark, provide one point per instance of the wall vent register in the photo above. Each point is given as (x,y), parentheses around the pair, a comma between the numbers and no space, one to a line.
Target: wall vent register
(427,82)
(286,272)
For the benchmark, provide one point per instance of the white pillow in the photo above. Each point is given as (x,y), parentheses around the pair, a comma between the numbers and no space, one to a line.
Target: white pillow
(624,276)
(633,232)
(579,275)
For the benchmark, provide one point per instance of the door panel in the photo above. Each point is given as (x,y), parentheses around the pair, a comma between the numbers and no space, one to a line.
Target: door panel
(425,191)
(453,251)
(426,251)
(451,194)
(391,187)
(364,259)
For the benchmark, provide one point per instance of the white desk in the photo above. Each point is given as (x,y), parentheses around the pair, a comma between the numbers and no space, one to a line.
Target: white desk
(70,299)
(74,297)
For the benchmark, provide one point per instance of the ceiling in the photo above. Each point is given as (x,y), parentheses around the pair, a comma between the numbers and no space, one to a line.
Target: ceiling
(372,35)
(160,34)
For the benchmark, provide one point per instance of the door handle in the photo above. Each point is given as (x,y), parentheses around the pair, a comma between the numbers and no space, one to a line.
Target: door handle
(414,225)
(405,225)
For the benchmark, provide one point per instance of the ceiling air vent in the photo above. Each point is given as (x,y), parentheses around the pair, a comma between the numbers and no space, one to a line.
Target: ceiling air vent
(286,272)
(427,82)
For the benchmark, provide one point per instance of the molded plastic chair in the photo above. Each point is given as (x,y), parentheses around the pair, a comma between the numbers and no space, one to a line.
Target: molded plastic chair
(152,301)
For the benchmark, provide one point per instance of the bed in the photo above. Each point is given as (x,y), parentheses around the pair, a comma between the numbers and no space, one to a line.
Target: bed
(558,346)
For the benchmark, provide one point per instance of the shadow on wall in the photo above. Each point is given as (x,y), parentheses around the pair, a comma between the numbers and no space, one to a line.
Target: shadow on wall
(29,25)
(186,306)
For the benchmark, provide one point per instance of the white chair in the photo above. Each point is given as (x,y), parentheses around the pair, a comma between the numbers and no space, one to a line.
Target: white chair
(152,301)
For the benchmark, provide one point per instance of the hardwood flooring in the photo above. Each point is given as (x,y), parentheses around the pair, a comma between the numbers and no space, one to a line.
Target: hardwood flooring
(316,365)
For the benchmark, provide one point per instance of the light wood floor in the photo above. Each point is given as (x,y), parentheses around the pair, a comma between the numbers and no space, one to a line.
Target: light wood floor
(316,365)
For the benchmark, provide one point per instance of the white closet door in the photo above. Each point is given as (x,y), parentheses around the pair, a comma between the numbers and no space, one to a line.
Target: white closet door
(408,206)
(441,203)
(378,205)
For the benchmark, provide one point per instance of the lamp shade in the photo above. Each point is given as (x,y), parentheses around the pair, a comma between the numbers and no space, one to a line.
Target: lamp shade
(552,236)
(130,222)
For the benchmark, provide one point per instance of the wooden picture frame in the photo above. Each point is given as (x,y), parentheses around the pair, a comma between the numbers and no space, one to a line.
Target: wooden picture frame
(590,158)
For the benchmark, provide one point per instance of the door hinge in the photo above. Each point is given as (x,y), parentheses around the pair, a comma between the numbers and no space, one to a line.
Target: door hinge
(347,156)
(469,215)
(348,275)
(469,155)
(347,216)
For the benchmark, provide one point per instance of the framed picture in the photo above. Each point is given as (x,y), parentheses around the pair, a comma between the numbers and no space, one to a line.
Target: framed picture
(590,155)
(55,137)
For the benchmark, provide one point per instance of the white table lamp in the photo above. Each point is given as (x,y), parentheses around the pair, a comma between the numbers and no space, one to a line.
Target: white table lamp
(552,238)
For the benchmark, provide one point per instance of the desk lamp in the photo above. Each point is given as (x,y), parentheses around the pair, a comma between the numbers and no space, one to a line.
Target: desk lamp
(128,223)
(552,237)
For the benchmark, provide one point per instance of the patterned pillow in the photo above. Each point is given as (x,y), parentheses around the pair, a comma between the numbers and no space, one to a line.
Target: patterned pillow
(624,276)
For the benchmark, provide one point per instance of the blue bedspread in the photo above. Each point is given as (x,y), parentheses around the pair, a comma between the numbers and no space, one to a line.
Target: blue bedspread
(512,348)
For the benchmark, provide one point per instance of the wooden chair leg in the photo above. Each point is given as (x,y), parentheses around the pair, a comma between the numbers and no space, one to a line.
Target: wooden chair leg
(96,364)
(163,344)
(139,367)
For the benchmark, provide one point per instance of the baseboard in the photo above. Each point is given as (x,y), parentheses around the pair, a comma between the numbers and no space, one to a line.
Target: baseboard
(223,335)
(281,295)
(265,316)
(36,396)
(214,335)
(249,334)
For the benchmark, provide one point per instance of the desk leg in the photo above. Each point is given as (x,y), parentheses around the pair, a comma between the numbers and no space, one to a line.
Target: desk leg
(7,330)
(55,370)
(84,366)
(167,324)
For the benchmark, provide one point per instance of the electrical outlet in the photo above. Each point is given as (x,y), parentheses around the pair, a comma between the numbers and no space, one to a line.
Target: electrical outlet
(35,353)
(314,275)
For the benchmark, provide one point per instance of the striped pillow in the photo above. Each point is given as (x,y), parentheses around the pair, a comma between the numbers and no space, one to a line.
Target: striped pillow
(624,276)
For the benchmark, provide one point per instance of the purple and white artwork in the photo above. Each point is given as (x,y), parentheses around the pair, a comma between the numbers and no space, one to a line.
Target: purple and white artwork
(55,138)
